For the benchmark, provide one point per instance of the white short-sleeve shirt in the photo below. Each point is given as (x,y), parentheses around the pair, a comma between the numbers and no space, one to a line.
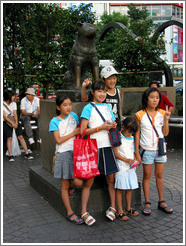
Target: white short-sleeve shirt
(65,127)
(148,138)
(28,106)
(12,106)
(89,112)
(126,149)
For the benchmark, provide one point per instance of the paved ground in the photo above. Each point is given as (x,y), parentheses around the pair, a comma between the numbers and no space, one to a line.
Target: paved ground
(28,218)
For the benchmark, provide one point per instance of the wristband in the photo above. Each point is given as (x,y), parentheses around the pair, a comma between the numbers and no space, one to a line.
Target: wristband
(97,129)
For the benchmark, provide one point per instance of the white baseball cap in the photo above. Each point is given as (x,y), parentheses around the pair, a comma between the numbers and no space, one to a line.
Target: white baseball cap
(108,71)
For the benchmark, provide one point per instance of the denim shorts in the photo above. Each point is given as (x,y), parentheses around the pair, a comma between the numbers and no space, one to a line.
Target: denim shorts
(151,156)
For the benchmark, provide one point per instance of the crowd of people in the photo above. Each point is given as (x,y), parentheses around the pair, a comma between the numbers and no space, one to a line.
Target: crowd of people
(139,142)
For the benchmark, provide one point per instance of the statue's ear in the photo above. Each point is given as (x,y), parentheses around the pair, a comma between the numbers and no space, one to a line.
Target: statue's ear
(79,24)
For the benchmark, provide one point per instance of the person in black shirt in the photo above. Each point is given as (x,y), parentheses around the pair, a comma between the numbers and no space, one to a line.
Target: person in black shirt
(109,76)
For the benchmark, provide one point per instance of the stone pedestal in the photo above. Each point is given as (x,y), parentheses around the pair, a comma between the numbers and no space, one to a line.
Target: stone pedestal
(74,95)
(43,181)
(50,188)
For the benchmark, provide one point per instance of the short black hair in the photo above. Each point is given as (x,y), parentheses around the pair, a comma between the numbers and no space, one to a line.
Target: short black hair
(154,82)
(59,100)
(146,95)
(130,124)
(7,96)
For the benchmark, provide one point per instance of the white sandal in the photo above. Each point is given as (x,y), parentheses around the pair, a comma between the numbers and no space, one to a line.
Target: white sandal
(110,214)
(88,219)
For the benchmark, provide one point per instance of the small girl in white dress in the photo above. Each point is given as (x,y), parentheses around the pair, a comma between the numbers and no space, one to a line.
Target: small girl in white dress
(126,178)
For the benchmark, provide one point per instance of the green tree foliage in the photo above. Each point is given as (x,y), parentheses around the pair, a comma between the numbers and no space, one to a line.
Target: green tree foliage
(15,20)
(134,55)
(105,48)
(43,35)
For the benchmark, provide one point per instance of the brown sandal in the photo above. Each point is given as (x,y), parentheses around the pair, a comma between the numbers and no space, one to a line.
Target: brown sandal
(122,216)
(132,212)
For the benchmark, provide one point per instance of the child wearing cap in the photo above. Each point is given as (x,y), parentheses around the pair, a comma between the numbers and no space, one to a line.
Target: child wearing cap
(109,76)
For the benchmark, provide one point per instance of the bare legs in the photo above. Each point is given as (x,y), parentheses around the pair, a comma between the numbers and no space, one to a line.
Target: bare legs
(9,145)
(158,172)
(111,189)
(23,143)
(85,196)
(119,200)
(65,185)
(110,213)
(146,183)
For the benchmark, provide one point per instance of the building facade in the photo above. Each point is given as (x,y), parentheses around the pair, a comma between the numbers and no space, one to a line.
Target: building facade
(160,13)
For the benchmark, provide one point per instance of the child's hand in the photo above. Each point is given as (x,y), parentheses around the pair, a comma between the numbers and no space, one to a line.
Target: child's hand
(138,157)
(15,125)
(167,113)
(77,131)
(130,161)
(86,82)
(114,124)
(106,125)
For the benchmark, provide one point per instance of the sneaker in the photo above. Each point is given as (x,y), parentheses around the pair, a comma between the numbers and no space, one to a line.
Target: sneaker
(11,158)
(31,141)
(29,156)
(39,141)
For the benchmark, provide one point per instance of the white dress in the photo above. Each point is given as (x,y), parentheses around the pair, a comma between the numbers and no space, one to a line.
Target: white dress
(126,178)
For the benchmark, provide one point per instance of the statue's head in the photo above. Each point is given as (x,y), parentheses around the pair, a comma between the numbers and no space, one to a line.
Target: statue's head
(86,29)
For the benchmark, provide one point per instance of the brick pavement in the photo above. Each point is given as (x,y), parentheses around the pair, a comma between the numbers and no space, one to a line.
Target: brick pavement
(28,218)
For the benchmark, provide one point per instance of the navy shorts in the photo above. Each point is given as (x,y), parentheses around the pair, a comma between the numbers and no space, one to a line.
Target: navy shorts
(107,163)
(7,130)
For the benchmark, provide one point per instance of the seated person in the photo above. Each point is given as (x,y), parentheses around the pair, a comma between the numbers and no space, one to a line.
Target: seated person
(30,110)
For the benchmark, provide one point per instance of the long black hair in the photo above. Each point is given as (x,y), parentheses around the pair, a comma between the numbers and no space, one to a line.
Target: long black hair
(7,96)
(59,100)
(146,94)
(97,85)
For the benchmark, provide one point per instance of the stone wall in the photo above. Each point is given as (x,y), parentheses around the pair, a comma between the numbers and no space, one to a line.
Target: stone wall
(131,98)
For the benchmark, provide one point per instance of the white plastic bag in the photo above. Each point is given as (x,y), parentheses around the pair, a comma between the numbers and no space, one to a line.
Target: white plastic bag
(15,145)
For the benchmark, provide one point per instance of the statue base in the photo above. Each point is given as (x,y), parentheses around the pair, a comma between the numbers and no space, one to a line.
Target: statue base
(50,189)
(74,95)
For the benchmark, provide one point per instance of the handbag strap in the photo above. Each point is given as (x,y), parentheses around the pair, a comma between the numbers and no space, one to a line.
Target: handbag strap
(63,134)
(152,124)
(7,107)
(98,112)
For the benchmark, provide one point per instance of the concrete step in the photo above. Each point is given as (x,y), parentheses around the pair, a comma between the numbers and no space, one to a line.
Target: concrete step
(50,188)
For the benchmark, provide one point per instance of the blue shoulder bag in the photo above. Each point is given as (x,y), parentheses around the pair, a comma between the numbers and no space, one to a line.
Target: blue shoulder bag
(114,134)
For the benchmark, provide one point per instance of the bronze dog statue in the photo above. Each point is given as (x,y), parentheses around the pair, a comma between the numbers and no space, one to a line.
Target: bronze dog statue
(83,57)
